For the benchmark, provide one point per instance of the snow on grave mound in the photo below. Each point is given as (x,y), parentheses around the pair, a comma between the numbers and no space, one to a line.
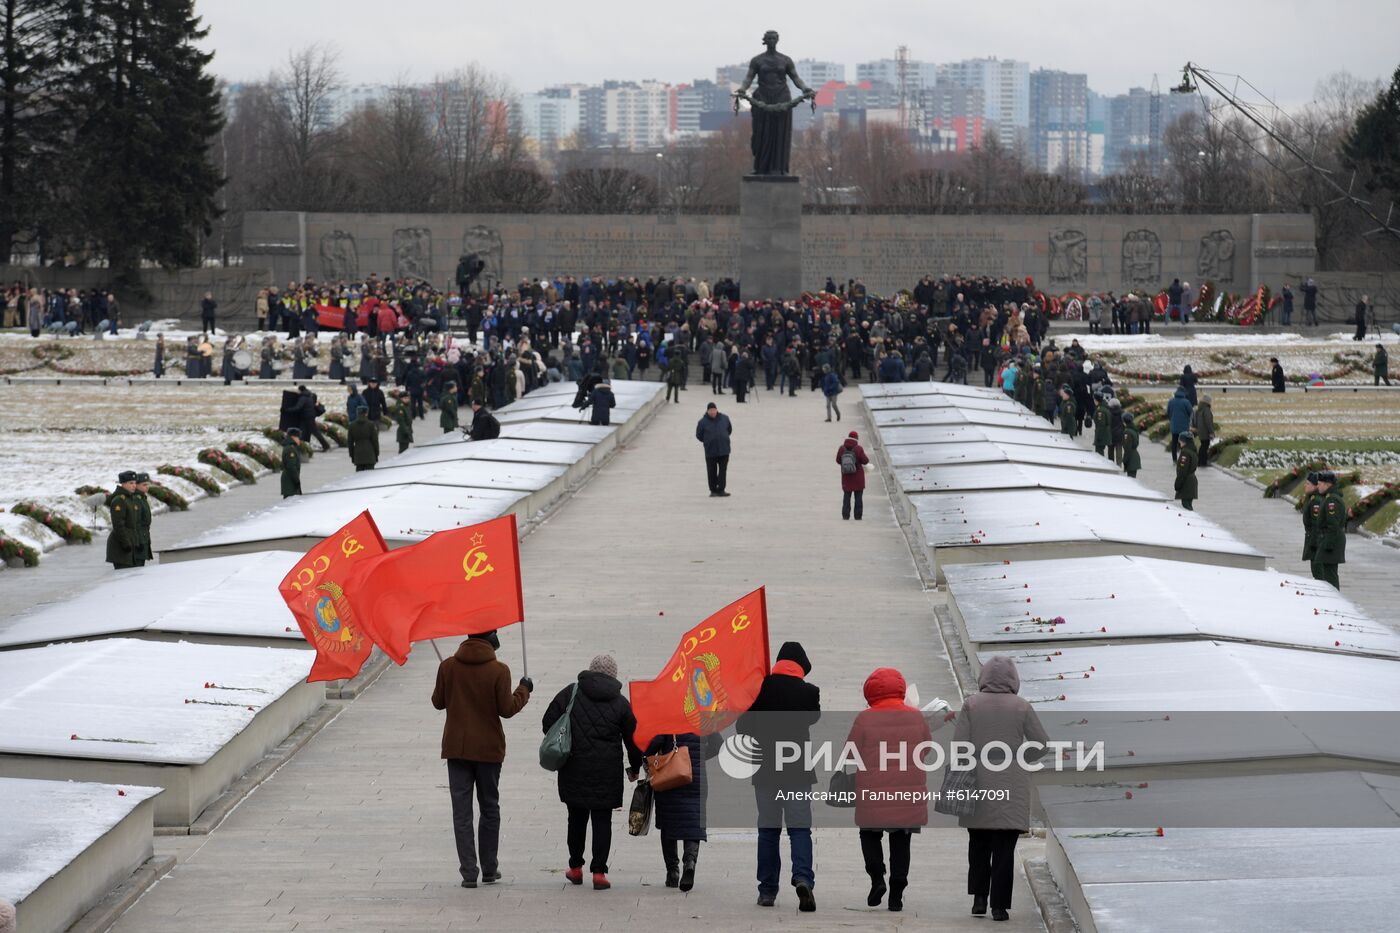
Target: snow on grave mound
(234,597)
(185,717)
(48,825)
(952,454)
(28,532)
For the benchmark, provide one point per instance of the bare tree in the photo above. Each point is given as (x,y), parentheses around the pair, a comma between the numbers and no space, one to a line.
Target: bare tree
(604,190)
(1136,189)
(1213,165)
(391,144)
(303,133)
(470,108)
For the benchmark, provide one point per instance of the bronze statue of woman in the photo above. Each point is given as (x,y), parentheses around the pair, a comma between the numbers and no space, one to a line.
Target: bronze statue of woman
(771,107)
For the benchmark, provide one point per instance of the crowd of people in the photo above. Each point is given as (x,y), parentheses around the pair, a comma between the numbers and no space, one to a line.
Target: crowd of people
(475,689)
(60,311)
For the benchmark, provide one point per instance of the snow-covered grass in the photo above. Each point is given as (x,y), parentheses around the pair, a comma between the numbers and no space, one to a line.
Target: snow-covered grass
(57,438)
(1239,359)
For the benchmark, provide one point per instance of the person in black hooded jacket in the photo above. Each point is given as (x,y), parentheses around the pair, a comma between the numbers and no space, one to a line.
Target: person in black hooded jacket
(601,727)
(794,707)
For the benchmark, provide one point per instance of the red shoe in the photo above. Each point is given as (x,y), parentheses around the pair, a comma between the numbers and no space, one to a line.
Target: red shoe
(600,881)
(575,875)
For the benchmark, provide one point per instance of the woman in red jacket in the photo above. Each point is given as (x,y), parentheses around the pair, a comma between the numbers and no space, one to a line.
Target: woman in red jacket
(851,457)
(877,734)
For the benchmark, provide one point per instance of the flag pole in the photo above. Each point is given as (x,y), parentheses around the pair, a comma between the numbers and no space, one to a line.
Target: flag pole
(433,642)
(524,661)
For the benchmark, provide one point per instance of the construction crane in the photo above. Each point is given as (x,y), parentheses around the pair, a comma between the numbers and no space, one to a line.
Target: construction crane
(901,65)
(1266,116)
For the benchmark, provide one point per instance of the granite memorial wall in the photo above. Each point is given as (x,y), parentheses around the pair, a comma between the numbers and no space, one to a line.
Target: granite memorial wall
(888,252)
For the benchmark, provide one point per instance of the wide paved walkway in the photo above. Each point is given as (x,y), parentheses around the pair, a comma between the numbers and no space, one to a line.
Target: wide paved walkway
(354,833)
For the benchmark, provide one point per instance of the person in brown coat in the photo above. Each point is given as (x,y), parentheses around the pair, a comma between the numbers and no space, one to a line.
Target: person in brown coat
(996,714)
(474,688)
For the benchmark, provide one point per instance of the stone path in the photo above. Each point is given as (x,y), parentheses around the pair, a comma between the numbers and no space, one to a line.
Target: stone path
(1274,527)
(354,832)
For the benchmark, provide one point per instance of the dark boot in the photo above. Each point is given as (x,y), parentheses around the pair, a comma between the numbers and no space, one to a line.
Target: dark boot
(897,894)
(999,914)
(979,906)
(668,855)
(877,891)
(692,855)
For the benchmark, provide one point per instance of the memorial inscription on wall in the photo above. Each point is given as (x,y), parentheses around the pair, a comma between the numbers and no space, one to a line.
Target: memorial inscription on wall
(646,248)
(887,260)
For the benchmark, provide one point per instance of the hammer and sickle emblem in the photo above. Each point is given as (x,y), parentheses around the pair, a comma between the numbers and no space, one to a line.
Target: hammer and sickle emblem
(350,546)
(474,563)
(739,622)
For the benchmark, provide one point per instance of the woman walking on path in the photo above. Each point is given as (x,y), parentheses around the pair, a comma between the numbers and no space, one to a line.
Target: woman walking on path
(996,714)
(889,798)
(601,726)
(852,459)
(680,811)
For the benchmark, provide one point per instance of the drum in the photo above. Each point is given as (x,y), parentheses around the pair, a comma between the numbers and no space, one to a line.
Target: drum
(242,360)
(279,365)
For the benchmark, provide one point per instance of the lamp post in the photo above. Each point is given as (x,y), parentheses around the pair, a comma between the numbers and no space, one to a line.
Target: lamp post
(660,160)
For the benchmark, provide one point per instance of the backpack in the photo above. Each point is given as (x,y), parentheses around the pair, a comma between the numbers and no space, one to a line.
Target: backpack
(849,463)
(558,741)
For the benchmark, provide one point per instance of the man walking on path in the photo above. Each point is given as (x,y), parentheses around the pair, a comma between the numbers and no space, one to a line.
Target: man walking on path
(793,706)
(1381,365)
(851,457)
(713,431)
(1203,423)
(1178,417)
(291,464)
(831,387)
(1186,486)
(474,688)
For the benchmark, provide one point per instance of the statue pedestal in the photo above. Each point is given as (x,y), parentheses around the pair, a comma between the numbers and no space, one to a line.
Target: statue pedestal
(770,237)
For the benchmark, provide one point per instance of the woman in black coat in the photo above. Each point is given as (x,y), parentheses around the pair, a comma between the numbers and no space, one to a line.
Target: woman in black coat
(680,812)
(1188,382)
(590,783)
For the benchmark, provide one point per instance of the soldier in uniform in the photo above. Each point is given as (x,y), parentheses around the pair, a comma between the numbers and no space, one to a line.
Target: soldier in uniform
(1311,509)
(364,442)
(291,464)
(447,408)
(124,543)
(143,511)
(404,434)
(1186,485)
(1102,429)
(1330,528)
(1132,461)
(1069,414)
(675,377)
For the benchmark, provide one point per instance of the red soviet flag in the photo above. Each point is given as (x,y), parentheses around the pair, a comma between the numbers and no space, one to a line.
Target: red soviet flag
(315,592)
(712,678)
(457,582)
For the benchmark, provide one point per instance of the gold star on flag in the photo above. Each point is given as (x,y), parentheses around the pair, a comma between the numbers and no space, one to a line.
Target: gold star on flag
(477,539)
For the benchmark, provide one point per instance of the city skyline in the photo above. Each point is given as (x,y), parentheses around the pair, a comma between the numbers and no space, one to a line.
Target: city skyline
(1284,41)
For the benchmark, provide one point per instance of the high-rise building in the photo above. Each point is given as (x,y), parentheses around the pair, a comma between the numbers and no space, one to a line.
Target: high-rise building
(886,70)
(1128,130)
(637,115)
(1059,121)
(549,117)
(1005,87)
(697,98)
(817,73)
(953,118)
(732,75)
(867,95)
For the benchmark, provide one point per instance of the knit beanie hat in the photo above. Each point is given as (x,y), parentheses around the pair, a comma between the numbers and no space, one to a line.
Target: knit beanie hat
(854,436)
(604,664)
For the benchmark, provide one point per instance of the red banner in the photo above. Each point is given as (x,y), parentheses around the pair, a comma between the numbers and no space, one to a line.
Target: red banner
(459,582)
(315,591)
(712,678)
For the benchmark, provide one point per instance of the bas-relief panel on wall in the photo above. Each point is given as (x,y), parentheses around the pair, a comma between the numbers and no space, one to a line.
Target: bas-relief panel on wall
(340,259)
(1216,258)
(1142,259)
(413,253)
(1069,257)
(489,246)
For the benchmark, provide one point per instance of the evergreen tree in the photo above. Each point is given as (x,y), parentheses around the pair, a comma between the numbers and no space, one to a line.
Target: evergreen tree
(1374,142)
(33,93)
(147,113)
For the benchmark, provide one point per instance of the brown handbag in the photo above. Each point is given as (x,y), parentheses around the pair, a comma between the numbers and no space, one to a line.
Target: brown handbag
(671,769)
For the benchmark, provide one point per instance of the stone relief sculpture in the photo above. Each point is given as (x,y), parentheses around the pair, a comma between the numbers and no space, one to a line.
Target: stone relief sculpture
(340,259)
(488,246)
(1069,257)
(1216,259)
(413,253)
(1142,259)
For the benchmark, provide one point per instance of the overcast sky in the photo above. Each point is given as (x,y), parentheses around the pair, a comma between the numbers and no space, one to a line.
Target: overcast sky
(1282,46)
